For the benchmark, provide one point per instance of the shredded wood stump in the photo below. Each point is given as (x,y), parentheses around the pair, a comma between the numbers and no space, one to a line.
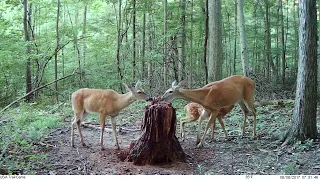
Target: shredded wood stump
(158,143)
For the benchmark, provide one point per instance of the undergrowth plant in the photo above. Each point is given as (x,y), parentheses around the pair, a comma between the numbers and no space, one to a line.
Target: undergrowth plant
(21,131)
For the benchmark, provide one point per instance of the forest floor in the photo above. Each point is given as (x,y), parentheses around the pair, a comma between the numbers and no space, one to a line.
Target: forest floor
(224,157)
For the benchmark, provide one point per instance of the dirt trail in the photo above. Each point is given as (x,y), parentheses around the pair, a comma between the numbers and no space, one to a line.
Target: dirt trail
(237,156)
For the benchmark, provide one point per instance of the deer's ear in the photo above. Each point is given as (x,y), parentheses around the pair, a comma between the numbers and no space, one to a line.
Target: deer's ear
(138,85)
(127,87)
(174,83)
(182,83)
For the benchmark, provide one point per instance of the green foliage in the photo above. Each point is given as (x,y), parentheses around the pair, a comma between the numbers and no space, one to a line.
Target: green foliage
(21,131)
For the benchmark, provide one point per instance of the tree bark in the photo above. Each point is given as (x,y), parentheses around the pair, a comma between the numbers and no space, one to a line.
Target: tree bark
(305,111)
(165,50)
(235,38)
(215,41)
(134,40)
(28,51)
(143,51)
(158,143)
(56,54)
(191,47)
(283,51)
(182,38)
(206,41)
(243,40)
(119,40)
(84,39)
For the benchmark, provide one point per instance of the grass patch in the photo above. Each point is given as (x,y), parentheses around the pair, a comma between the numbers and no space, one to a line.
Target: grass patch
(21,130)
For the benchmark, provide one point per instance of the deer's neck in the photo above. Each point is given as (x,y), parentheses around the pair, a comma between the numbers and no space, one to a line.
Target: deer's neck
(195,95)
(125,100)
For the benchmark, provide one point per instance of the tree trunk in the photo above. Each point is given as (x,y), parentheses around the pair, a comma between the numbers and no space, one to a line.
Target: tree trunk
(243,40)
(134,40)
(305,111)
(28,51)
(191,48)
(150,49)
(268,43)
(165,50)
(119,45)
(206,41)
(182,38)
(215,41)
(84,39)
(235,38)
(56,52)
(158,143)
(143,51)
(277,42)
(283,52)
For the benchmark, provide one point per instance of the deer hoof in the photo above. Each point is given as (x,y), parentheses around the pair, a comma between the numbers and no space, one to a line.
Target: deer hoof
(200,145)
(117,147)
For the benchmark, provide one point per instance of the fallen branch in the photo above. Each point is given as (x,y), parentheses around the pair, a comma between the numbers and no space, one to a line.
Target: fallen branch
(97,126)
(37,89)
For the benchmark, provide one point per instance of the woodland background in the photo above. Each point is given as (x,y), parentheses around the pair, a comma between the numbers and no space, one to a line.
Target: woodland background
(102,43)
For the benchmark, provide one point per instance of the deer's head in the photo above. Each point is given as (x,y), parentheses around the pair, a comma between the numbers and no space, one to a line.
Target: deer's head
(174,91)
(137,91)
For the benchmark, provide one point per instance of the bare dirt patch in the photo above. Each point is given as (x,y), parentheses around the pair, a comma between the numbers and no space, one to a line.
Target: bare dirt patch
(236,156)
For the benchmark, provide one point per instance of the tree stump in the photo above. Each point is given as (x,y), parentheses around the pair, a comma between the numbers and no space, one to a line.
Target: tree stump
(158,143)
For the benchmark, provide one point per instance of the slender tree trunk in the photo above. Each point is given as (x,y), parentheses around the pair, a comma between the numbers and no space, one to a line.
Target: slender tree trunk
(283,52)
(296,35)
(143,44)
(150,49)
(277,42)
(215,41)
(84,39)
(182,38)
(243,40)
(119,44)
(56,53)
(76,46)
(134,40)
(268,42)
(206,41)
(304,124)
(235,38)
(62,50)
(165,50)
(28,51)
(191,48)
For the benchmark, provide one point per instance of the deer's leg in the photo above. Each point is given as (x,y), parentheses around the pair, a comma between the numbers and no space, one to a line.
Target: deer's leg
(254,112)
(77,120)
(222,126)
(213,128)
(211,120)
(115,132)
(204,115)
(186,120)
(102,124)
(245,112)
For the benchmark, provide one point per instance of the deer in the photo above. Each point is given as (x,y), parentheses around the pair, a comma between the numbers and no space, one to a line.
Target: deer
(194,111)
(216,95)
(104,102)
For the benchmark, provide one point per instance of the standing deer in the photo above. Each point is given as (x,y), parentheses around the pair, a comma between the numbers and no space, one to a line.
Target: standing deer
(104,102)
(217,95)
(194,111)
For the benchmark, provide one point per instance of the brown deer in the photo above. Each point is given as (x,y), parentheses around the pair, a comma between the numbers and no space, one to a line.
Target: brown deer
(104,102)
(217,95)
(194,111)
